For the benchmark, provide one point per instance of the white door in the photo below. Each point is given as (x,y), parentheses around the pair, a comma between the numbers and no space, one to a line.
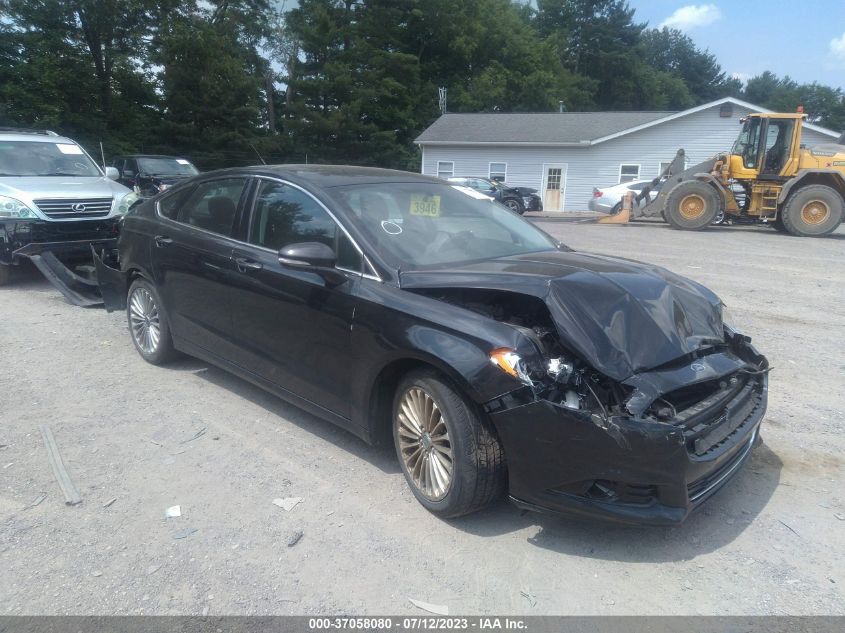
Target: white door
(554,186)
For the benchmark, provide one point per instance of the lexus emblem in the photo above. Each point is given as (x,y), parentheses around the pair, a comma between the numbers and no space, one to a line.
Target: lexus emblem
(78,207)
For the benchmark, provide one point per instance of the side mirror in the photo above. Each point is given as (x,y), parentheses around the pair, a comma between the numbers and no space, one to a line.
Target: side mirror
(112,173)
(313,256)
(307,255)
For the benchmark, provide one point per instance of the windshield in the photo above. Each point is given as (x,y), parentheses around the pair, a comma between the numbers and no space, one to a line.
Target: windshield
(747,144)
(416,225)
(33,158)
(167,167)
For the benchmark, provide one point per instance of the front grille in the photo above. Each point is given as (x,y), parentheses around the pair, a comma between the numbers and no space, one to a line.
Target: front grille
(74,208)
(711,423)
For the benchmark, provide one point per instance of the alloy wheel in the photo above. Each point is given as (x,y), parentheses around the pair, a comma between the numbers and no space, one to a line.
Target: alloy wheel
(424,444)
(144,320)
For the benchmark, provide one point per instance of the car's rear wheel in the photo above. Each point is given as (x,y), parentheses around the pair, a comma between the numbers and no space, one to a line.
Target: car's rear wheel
(148,323)
(449,454)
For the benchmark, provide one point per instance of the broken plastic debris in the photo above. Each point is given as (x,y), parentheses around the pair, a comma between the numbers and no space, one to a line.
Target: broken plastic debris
(295,538)
(184,533)
(172,512)
(530,597)
(439,609)
(196,435)
(109,502)
(288,503)
(839,516)
(36,501)
(96,574)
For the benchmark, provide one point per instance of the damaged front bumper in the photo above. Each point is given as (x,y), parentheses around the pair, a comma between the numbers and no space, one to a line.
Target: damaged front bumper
(24,238)
(634,468)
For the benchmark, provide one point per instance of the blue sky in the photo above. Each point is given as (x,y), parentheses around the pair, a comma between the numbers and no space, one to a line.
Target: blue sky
(803,39)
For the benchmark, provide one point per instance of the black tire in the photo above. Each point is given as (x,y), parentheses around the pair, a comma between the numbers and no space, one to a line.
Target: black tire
(162,351)
(813,211)
(514,205)
(478,474)
(5,275)
(617,209)
(692,206)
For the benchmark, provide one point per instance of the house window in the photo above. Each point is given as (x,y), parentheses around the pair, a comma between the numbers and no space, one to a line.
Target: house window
(627,173)
(445,169)
(498,171)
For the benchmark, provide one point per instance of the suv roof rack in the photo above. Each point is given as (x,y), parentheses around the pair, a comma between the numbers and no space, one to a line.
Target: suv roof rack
(24,130)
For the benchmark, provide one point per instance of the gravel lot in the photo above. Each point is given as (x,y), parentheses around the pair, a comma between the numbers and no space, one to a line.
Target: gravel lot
(772,542)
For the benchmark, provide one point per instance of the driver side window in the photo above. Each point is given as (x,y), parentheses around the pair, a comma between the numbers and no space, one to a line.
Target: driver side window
(285,215)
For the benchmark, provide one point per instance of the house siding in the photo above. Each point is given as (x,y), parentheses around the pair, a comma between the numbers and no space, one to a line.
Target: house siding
(701,134)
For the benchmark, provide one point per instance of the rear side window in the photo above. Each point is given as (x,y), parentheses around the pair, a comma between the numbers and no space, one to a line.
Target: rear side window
(212,205)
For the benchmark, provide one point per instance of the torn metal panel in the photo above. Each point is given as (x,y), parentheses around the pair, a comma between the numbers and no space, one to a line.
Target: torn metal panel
(620,316)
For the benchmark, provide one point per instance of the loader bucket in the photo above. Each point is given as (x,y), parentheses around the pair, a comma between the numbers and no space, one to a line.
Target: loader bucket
(624,216)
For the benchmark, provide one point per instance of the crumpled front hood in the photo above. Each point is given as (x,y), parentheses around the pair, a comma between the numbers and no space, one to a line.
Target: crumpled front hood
(29,188)
(622,317)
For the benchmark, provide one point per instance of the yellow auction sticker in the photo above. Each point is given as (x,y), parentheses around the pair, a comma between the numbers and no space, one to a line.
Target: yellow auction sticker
(425,205)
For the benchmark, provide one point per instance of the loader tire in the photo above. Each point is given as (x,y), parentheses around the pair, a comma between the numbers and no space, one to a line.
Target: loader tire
(813,211)
(691,206)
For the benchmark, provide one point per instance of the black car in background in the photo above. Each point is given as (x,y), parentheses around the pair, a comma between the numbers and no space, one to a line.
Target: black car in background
(150,174)
(508,196)
(395,305)
(530,198)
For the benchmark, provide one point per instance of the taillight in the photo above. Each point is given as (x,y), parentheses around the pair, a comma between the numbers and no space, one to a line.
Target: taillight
(597,193)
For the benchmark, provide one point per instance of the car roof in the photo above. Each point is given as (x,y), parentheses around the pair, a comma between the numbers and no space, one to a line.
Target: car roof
(326,176)
(35,137)
(149,156)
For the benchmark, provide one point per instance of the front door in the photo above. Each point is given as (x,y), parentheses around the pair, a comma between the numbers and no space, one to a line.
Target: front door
(292,325)
(554,187)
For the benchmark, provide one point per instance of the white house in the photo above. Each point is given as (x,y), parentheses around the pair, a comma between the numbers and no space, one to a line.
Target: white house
(564,155)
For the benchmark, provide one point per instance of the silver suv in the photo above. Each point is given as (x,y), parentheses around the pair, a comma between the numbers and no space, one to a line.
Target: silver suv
(54,199)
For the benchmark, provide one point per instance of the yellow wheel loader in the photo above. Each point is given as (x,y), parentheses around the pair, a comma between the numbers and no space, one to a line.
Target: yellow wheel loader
(768,177)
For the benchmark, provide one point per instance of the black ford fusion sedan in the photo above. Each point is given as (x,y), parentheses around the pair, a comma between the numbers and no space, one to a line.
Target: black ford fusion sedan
(498,359)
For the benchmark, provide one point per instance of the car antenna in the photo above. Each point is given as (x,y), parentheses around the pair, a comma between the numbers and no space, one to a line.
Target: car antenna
(261,158)
(103,155)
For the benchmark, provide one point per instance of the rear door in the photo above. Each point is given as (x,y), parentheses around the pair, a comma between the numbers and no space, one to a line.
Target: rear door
(192,261)
(292,326)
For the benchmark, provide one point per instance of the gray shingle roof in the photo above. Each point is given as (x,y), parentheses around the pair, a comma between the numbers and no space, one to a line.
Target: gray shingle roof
(545,127)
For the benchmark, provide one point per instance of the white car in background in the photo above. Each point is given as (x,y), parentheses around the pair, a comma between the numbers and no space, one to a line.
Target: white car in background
(609,199)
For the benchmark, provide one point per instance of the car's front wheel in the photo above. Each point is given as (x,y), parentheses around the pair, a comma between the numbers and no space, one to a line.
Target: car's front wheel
(449,454)
(515,205)
(148,323)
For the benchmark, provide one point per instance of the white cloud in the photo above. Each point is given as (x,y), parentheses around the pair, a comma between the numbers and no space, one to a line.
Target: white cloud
(837,49)
(692,16)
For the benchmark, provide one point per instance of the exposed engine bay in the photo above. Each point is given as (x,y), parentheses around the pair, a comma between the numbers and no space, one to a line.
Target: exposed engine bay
(557,374)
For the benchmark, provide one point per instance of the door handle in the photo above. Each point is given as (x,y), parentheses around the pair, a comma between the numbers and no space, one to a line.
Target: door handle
(245,264)
(162,241)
